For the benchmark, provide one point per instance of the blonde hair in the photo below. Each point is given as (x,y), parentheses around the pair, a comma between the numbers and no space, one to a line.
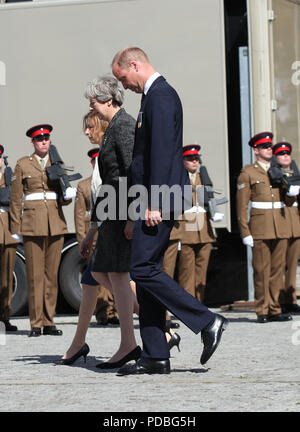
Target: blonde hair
(126,55)
(92,119)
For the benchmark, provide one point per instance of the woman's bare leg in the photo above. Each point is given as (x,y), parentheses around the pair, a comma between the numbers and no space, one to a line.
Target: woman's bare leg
(87,308)
(125,301)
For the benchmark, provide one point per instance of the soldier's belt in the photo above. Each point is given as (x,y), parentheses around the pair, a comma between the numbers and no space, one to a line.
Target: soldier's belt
(196,209)
(4,209)
(267,205)
(40,196)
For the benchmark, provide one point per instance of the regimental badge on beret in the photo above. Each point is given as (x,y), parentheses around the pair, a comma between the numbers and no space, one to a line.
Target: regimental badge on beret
(41,129)
(263,139)
(191,150)
(282,148)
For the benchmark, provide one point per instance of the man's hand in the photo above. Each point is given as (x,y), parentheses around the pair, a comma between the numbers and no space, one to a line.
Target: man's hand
(217,217)
(128,230)
(17,237)
(248,241)
(293,190)
(87,243)
(152,217)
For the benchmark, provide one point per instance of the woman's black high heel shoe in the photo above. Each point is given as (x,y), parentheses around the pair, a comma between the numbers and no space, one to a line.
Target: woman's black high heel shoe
(69,361)
(135,354)
(174,341)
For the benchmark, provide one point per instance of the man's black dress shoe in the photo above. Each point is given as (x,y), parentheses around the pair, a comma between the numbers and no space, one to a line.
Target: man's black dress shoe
(262,319)
(106,321)
(292,308)
(280,317)
(9,327)
(211,336)
(52,331)
(113,321)
(146,366)
(35,331)
(133,355)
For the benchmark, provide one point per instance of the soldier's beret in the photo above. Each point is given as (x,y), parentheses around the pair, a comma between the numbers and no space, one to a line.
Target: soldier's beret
(282,147)
(1,150)
(191,149)
(41,129)
(261,139)
(93,153)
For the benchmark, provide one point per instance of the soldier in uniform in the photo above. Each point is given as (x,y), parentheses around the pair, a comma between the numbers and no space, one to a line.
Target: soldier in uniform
(41,222)
(193,235)
(268,229)
(8,247)
(288,298)
(105,309)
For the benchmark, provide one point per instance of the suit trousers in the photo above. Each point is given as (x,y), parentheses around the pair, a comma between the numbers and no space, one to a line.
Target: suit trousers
(42,256)
(157,292)
(7,265)
(288,292)
(170,258)
(192,268)
(268,267)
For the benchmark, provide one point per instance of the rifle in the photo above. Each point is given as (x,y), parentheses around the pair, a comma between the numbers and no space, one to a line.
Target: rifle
(57,172)
(5,192)
(209,199)
(279,177)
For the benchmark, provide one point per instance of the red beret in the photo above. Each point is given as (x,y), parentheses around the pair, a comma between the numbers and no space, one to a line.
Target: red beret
(260,139)
(282,147)
(191,149)
(93,153)
(42,129)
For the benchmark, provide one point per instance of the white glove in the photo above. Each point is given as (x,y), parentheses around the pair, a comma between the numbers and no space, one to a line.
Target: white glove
(293,190)
(217,217)
(248,241)
(17,237)
(70,193)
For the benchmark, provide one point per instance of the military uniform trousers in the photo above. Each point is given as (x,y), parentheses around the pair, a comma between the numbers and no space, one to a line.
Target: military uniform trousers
(43,254)
(288,292)
(170,258)
(192,268)
(268,262)
(7,265)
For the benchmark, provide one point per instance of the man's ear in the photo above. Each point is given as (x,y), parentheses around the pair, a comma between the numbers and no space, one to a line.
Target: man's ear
(134,64)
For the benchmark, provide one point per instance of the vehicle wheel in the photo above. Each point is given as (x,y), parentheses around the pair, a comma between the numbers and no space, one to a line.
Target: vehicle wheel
(19,302)
(70,271)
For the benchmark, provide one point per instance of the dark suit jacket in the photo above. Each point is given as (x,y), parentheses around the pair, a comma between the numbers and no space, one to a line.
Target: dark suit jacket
(115,155)
(157,155)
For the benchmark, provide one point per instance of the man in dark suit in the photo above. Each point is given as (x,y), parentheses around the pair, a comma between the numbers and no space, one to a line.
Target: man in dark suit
(157,161)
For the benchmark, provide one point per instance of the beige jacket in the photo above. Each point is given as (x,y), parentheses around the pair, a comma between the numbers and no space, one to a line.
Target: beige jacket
(254,185)
(35,218)
(5,235)
(194,228)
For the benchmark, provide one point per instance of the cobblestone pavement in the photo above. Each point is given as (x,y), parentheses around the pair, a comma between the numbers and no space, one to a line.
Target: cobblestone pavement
(255,368)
